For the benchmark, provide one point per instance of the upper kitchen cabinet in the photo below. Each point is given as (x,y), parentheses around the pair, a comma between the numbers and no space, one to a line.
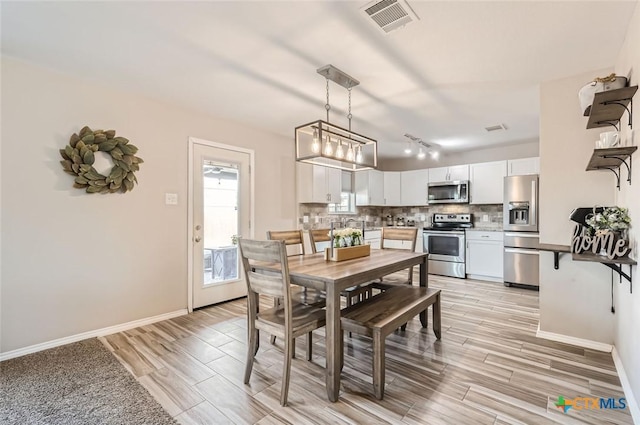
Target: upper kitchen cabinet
(487,182)
(317,184)
(453,173)
(413,188)
(392,188)
(523,166)
(369,188)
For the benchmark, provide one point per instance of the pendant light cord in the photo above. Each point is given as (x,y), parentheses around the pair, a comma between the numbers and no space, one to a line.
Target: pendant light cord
(349,116)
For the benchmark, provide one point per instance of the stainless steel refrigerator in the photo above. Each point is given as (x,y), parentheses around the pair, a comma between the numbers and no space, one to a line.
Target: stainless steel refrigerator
(521,238)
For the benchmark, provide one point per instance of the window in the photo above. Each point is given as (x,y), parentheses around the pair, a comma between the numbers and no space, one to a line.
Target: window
(347,203)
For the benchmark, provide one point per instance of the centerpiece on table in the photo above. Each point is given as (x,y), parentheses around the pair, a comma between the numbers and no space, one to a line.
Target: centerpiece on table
(605,233)
(347,244)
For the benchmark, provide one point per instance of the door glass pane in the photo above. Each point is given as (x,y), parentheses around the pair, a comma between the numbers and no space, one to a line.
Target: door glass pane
(220,222)
(444,245)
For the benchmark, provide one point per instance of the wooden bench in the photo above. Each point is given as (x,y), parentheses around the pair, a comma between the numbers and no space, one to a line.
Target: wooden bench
(379,316)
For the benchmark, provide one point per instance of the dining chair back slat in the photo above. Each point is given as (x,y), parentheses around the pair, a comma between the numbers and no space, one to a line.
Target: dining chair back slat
(291,238)
(394,234)
(317,236)
(272,284)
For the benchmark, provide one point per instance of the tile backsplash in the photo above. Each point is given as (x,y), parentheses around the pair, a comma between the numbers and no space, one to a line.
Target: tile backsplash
(317,216)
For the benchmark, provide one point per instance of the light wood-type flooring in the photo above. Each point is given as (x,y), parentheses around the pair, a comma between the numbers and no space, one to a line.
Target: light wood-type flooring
(489,368)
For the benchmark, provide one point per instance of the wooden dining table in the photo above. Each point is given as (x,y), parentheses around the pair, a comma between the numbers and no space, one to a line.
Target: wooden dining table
(313,271)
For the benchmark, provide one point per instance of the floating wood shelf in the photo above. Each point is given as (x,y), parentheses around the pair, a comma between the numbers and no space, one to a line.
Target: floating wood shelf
(609,106)
(611,159)
(615,264)
(556,249)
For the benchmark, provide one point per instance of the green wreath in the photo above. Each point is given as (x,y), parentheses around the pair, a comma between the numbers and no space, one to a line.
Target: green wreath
(78,158)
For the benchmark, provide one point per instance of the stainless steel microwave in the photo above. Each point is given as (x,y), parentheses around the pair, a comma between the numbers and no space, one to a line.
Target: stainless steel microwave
(454,192)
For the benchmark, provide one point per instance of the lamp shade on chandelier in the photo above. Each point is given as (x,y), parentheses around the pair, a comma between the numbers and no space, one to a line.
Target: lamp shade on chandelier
(323,143)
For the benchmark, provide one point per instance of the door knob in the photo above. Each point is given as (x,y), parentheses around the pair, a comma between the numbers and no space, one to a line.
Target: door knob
(197,239)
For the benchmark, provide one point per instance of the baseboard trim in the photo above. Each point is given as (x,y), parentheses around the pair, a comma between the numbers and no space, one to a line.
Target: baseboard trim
(485,278)
(90,334)
(626,387)
(584,343)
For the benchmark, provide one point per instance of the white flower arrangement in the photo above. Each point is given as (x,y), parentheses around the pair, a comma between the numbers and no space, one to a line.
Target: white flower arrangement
(614,219)
(348,236)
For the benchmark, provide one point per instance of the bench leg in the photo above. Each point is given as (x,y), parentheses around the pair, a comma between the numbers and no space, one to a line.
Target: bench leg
(378,364)
(436,317)
(309,346)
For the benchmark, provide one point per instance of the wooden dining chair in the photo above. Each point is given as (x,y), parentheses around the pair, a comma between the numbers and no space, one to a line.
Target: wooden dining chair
(389,239)
(288,320)
(294,243)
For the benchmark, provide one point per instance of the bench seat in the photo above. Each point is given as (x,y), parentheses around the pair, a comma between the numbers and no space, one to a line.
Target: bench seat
(380,315)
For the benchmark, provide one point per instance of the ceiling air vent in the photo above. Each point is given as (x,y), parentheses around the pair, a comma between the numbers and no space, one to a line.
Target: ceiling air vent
(496,127)
(389,15)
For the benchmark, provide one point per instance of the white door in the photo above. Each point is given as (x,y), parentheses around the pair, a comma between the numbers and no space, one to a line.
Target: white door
(221,210)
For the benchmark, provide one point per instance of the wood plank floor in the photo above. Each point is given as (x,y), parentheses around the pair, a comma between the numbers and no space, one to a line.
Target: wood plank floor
(489,368)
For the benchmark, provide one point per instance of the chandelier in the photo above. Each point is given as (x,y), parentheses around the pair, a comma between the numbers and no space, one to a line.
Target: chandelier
(323,143)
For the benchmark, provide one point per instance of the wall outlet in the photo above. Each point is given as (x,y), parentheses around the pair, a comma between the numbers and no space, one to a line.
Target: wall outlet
(171,198)
(485,217)
(423,217)
(305,219)
(317,219)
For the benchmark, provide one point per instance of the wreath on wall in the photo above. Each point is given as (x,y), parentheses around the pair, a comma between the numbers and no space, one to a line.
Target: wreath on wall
(79,156)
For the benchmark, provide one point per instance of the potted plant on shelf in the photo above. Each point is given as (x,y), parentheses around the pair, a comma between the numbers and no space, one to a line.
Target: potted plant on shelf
(610,225)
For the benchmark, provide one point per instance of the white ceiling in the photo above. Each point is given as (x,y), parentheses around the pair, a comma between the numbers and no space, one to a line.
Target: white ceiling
(462,67)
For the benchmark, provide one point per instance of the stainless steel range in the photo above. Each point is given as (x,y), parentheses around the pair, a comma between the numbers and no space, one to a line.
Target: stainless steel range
(445,243)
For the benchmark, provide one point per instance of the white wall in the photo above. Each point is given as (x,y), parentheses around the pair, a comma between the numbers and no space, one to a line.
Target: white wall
(627,319)
(74,262)
(525,149)
(574,300)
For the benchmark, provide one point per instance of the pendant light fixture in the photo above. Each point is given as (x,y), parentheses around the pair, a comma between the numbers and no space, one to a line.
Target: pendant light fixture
(323,143)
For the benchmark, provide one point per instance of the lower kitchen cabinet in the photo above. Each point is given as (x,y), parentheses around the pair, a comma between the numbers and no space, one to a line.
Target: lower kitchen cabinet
(484,256)
(372,237)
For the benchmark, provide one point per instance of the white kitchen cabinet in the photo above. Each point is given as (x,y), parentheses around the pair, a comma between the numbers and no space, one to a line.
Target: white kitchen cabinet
(485,253)
(318,184)
(372,237)
(487,182)
(445,174)
(369,187)
(392,188)
(522,166)
(413,188)
(419,241)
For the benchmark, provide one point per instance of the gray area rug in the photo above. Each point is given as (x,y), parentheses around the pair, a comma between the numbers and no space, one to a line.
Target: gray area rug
(79,383)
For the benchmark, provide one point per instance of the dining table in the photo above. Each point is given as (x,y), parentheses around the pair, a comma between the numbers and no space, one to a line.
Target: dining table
(313,271)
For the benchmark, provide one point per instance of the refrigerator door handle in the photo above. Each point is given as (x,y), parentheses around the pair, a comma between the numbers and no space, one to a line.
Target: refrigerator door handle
(534,206)
(522,251)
